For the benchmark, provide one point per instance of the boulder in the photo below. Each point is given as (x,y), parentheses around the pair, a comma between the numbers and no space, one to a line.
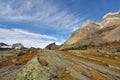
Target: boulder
(43,61)
(20,53)
(33,70)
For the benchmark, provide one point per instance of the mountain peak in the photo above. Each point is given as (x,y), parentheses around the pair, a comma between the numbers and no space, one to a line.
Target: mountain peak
(88,22)
(112,14)
(111,19)
(52,46)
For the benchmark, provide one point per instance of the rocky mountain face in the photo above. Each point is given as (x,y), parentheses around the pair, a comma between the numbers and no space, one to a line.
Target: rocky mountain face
(88,27)
(95,34)
(17,46)
(52,46)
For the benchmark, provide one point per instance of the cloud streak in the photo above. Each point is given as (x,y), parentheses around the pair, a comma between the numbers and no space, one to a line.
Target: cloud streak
(27,38)
(39,11)
(39,14)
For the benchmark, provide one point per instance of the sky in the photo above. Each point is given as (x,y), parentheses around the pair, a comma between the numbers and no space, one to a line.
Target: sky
(37,23)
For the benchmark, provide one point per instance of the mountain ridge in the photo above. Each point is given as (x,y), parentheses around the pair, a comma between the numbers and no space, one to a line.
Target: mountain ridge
(91,33)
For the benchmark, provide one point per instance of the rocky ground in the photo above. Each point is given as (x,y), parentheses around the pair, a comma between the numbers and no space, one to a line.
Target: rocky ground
(61,65)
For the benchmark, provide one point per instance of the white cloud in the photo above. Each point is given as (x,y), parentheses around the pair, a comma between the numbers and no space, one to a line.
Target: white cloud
(38,11)
(27,38)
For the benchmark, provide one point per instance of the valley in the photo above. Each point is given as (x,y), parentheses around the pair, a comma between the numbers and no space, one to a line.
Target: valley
(62,65)
(91,53)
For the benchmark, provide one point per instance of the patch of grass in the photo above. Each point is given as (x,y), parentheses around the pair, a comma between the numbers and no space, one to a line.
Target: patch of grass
(84,47)
(21,59)
(71,55)
(78,69)
(116,70)
(97,76)
(99,62)
(103,59)
(62,75)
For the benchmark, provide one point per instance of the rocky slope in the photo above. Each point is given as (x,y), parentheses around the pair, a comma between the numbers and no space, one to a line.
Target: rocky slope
(81,33)
(60,65)
(64,65)
(95,34)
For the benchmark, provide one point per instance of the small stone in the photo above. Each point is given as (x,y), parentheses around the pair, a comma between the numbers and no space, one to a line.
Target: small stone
(20,53)
(15,60)
(61,70)
(43,62)
(106,55)
(116,57)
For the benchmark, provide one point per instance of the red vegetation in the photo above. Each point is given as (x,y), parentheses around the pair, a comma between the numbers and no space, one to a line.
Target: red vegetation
(20,60)
(61,73)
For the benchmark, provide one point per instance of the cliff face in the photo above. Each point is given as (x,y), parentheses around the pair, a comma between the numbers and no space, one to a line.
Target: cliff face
(90,33)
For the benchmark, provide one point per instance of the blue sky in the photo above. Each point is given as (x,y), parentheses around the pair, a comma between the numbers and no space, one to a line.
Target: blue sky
(39,22)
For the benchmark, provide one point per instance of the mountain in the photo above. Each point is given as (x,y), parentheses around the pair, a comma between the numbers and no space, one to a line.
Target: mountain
(52,46)
(88,27)
(3,44)
(17,46)
(87,58)
(96,33)
(14,46)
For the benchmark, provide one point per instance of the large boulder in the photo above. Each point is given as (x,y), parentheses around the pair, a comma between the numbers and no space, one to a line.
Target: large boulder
(20,53)
(33,70)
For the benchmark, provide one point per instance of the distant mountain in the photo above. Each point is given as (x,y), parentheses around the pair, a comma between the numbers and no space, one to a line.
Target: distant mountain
(52,46)
(3,44)
(95,34)
(17,46)
(14,46)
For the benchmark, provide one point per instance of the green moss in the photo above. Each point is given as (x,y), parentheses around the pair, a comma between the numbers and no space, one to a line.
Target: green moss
(33,71)
(84,47)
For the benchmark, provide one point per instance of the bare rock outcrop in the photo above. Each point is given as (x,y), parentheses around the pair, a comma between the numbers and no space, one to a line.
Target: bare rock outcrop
(52,46)
(33,70)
